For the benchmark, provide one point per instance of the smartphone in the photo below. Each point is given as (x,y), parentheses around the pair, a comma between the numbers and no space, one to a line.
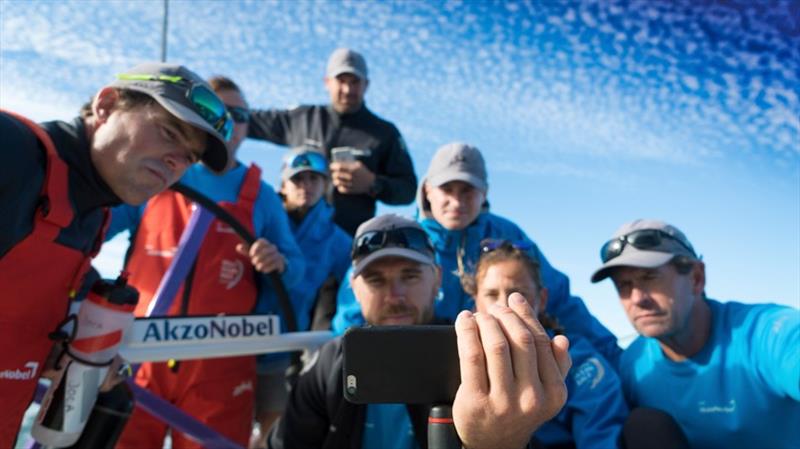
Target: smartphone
(401,364)
(343,154)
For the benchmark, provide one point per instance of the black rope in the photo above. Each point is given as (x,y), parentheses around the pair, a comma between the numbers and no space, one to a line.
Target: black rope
(275,279)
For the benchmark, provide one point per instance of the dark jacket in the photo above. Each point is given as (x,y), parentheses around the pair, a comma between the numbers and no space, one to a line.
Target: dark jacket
(21,166)
(322,127)
(318,417)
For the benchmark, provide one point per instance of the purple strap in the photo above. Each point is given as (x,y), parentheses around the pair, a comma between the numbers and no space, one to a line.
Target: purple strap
(178,419)
(192,237)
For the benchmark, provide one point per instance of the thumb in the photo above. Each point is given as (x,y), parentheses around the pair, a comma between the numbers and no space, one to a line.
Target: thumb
(243,249)
(560,345)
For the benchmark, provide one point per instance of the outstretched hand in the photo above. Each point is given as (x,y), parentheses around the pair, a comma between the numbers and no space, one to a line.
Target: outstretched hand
(512,376)
(264,256)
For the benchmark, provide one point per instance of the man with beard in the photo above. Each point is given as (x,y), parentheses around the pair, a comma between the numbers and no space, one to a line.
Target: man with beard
(512,373)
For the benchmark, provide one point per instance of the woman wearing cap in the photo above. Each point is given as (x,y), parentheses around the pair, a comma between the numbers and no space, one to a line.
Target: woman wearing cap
(454,211)
(595,410)
(305,180)
(218,392)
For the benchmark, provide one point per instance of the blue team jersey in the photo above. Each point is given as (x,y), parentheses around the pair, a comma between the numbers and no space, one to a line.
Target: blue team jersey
(742,390)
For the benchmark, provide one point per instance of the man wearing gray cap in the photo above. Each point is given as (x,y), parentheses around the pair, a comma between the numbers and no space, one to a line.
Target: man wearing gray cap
(729,373)
(138,136)
(504,394)
(369,159)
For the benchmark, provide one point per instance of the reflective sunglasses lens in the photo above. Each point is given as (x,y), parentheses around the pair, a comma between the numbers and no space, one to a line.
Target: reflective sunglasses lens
(226,129)
(315,161)
(611,249)
(208,105)
(644,239)
(239,114)
(489,245)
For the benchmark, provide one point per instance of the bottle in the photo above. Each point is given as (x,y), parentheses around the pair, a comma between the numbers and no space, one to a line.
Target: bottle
(103,318)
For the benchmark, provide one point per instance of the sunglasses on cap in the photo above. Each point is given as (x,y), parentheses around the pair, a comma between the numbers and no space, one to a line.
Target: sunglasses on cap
(646,239)
(371,241)
(205,101)
(238,113)
(310,160)
(489,245)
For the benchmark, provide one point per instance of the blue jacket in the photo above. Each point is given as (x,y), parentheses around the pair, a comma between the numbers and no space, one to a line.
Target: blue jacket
(269,218)
(326,248)
(570,310)
(595,410)
(741,390)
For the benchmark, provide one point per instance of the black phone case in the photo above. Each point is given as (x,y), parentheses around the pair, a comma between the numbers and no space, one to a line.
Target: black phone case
(401,364)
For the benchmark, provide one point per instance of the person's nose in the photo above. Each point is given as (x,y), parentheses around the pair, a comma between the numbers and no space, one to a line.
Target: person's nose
(176,161)
(639,296)
(397,291)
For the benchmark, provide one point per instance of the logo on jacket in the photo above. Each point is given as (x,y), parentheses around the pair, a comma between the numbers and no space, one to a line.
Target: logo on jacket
(225,229)
(156,252)
(730,407)
(230,273)
(242,387)
(590,370)
(28,373)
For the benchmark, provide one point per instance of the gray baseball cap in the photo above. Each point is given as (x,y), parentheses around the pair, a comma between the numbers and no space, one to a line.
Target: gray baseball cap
(172,85)
(662,242)
(302,159)
(390,235)
(457,161)
(345,60)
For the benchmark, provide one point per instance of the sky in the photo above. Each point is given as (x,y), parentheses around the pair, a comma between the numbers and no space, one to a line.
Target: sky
(589,113)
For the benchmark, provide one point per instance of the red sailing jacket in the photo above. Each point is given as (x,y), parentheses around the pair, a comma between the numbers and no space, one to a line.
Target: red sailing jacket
(38,277)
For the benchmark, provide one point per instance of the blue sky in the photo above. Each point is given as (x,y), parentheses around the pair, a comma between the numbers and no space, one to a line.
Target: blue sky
(589,113)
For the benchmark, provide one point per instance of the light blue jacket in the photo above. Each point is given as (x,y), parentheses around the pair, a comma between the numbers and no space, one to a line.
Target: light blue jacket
(326,248)
(569,310)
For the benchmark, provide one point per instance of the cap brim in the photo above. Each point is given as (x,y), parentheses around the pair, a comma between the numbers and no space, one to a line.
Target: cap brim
(215,155)
(632,257)
(405,253)
(286,174)
(352,70)
(444,178)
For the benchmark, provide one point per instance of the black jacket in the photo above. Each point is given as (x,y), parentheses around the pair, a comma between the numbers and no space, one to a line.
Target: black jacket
(322,127)
(318,417)
(22,166)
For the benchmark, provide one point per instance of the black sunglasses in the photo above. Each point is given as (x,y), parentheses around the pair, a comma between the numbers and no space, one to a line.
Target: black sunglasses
(652,239)
(238,113)
(371,241)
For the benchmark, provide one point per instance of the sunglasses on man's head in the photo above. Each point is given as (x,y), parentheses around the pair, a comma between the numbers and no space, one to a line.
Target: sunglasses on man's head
(645,239)
(489,245)
(204,101)
(313,160)
(371,241)
(239,114)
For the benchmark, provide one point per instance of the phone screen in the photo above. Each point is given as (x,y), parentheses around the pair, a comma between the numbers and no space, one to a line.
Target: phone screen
(401,364)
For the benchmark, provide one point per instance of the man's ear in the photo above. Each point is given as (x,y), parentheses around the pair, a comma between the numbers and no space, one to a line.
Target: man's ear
(104,102)
(366,85)
(698,276)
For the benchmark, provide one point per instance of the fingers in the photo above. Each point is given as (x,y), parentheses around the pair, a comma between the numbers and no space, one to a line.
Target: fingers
(497,351)
(470,354)
(265,257)
(546,365)
(521,342)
